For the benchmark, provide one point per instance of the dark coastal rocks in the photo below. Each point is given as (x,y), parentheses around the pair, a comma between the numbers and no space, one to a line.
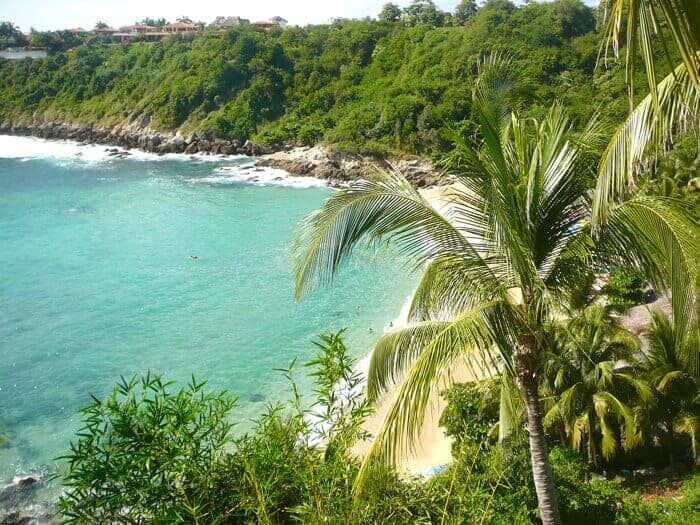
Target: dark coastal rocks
(19,484)
(136,135)
(35,514)
(20,502)
(337,167)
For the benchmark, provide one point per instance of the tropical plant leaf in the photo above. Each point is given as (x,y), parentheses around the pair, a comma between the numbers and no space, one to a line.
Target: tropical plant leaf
(388,208)
(474,331)
(654,236)
(640,22)
(648,129)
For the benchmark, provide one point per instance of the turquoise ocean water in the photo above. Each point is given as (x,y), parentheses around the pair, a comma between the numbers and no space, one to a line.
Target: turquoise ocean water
(97,281)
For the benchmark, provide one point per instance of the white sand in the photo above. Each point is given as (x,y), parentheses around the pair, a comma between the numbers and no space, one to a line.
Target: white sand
(433,447)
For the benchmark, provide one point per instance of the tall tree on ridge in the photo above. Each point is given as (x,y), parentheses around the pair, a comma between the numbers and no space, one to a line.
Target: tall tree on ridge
(390,13)
(464,11)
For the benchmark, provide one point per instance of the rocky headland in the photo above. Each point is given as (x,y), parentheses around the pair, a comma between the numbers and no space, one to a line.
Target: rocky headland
(318,161)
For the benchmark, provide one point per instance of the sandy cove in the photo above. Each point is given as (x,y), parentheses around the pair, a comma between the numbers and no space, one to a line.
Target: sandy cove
(433,447)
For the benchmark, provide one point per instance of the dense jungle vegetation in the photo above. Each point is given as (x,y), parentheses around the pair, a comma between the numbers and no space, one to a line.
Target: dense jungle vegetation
(399,83)
(552,209)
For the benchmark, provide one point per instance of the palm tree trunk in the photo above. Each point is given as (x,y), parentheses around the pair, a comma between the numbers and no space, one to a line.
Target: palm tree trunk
(669,441)
(541,470)
(592,456)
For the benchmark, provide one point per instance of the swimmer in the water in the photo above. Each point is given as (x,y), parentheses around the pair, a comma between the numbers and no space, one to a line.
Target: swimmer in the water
(194,257)
(370,330)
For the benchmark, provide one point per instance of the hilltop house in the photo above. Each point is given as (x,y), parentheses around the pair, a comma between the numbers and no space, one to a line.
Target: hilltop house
(180,27)
(279,21)
(272,22)
(138,29)
(227,22)
(108,31)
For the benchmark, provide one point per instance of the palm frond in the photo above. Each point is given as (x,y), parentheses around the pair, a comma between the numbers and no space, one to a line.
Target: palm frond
(452,284)
(667,352)
(396,351)
(641,21)
(552,416)
(389,209)
(474,331)
(577,429)
(608,407)
(511,408)
(648,127)
(652,235)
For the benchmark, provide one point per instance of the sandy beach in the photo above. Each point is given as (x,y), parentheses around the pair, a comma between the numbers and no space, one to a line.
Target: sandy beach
(433,446)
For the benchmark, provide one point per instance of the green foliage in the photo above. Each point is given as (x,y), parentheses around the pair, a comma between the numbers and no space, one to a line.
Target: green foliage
(583,502)
(147,453)
(151,454)
(471,412)
(663,511)
(11,35)
(372,86)
(465,10)
(390,13)
(625,287)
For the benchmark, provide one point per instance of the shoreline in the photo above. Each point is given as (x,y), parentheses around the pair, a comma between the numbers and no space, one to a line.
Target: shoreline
(43,509)
(432,448)
(319,161)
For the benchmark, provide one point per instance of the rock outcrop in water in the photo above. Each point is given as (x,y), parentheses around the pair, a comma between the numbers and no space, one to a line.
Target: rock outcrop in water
(315,162)
(19,502)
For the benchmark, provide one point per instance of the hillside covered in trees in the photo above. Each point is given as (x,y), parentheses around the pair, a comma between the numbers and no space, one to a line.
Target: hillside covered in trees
(398,83)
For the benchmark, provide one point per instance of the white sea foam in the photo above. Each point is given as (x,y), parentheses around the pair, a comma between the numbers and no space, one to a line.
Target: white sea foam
(362,366)
(26,148)
(65,152)
(344,392)
(248,173)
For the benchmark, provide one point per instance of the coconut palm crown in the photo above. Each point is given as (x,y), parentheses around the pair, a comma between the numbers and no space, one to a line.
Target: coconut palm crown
(590,374)
(672,369)
(508,257)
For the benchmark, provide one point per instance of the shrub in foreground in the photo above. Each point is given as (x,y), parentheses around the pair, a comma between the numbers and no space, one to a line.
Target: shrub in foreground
(147,453)
(150,453)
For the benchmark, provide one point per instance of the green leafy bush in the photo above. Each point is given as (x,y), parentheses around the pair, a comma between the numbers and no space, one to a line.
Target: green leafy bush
(147,453)
(583,501)
(471,411)
(151,453)
(625,287)
(664,511)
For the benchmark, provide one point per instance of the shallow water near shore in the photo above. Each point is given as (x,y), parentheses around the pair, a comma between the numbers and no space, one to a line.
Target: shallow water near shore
(114,266)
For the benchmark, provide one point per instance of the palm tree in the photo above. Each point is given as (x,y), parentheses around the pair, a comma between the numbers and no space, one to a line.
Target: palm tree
(672,105)
(590,376)
(499,268)
(672,370)
(637,23)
